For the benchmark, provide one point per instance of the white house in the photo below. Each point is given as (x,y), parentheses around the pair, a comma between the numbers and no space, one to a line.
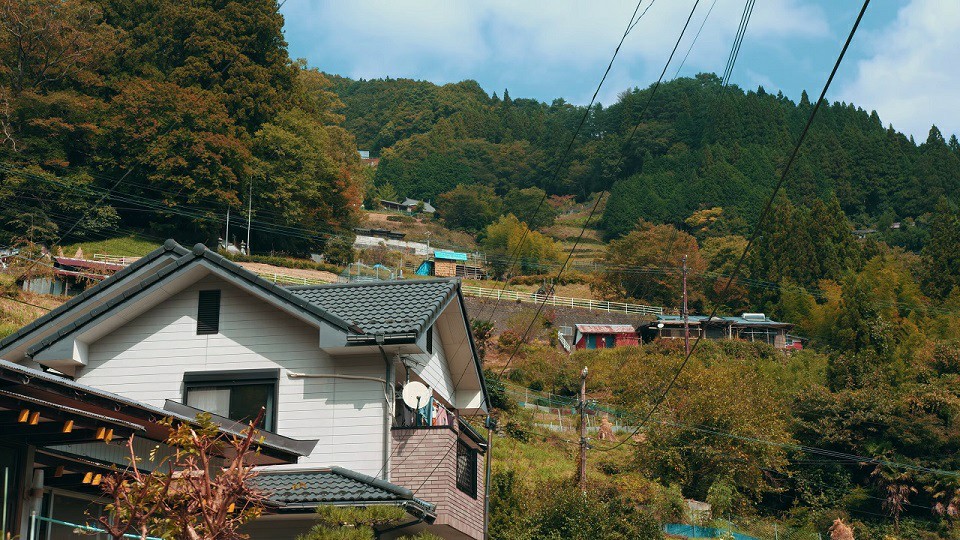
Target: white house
(187,331)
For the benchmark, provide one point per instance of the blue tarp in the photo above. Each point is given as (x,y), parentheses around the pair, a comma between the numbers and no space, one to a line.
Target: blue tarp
(425,268)
(694,531)
(449,255)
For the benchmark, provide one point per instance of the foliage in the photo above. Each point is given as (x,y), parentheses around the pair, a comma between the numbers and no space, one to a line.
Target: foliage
(482,333)
(634,265)
(570,514)
(513,248)
(942,253)
(189,494)
(468,208)
(353,523)
(531,206)
(173,113)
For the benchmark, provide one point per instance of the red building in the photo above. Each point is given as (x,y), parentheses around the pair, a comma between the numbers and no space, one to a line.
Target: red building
(604,336)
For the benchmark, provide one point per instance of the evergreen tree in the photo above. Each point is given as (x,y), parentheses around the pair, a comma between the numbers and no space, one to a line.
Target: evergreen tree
(942,253)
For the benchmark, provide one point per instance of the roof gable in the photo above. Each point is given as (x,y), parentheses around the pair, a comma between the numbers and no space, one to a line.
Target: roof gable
(199,256)
(104,289)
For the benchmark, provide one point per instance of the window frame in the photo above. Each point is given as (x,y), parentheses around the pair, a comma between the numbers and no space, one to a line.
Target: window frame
(244,377)
(471,457)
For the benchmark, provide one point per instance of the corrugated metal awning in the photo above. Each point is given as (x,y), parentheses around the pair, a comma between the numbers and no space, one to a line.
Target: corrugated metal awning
(605,328)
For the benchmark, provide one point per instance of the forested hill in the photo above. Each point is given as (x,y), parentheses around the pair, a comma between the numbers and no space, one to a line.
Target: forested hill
(698,145)
(155,117)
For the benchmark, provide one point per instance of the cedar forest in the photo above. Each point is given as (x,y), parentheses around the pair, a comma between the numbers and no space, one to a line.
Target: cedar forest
(154,117)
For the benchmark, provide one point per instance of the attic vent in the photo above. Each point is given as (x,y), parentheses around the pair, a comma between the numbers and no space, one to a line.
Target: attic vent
(208,313)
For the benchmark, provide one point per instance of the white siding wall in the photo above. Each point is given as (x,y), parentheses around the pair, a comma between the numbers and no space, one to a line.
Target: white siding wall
(433,369)
(146,360)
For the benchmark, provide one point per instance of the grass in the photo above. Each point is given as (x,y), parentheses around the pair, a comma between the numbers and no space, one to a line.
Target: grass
(14,315)
(132,245)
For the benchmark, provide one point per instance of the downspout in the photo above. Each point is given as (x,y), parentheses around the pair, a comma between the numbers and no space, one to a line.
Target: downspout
(486,482)
(389,411)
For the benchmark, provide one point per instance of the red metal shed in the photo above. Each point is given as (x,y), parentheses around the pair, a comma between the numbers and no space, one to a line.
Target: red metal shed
(604,336)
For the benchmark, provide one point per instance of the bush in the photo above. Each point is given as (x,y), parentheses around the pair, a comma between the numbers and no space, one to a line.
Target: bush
(497,392)
(571,514)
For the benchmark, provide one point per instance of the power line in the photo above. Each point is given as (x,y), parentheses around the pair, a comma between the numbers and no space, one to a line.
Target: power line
(593,210)
(695,38)
(738,40)
(634,20)
(763,216)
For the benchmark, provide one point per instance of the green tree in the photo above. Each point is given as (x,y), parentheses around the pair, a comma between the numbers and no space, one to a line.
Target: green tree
(353,523)
(298,185)
(531,206)
(942,253)
(513,248)
(570,514)
(645,265)
(469,208)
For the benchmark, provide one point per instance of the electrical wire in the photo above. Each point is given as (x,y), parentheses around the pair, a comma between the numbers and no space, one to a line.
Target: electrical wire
(763,216)
(695,38)
(634,20)
(596,205)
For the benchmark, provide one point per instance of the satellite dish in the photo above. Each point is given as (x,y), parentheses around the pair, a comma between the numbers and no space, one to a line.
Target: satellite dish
(416,394)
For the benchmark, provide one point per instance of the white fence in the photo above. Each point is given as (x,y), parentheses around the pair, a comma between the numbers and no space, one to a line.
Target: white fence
(114,259)
(285,279)
(560,301)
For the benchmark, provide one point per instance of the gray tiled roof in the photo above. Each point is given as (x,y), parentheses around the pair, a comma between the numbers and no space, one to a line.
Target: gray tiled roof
(387,307)
(306,489)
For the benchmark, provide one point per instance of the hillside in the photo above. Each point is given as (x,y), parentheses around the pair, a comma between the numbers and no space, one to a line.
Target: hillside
(698,146)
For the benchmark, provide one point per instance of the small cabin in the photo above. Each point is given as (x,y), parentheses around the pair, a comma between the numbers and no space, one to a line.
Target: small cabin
(604,336)
(450,264)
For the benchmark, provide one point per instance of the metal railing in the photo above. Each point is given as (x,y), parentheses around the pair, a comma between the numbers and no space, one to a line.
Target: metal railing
(286,279)
(561,301)
(114,259)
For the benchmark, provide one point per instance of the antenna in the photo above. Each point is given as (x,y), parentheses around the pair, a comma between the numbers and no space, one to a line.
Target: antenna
(415,394)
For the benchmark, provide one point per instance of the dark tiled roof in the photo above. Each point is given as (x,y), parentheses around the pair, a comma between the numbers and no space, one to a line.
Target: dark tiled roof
(383,307)
(305,489)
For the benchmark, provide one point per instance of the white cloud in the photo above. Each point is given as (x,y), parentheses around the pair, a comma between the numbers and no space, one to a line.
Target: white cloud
(910,75)
(556,43)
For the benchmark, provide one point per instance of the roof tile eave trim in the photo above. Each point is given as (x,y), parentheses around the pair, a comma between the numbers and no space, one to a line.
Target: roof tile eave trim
(169,247)
(381,283)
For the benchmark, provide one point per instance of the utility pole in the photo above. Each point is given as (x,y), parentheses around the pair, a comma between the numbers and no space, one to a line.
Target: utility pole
(582,464)
(226,237)
(249,216)
(686,315)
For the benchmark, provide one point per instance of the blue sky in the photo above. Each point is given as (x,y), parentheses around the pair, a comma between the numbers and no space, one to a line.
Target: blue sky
(903,62)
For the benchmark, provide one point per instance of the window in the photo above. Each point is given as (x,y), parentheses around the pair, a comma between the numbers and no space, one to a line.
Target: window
(430,340)
(466,469)
(237,395)
(208,313)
